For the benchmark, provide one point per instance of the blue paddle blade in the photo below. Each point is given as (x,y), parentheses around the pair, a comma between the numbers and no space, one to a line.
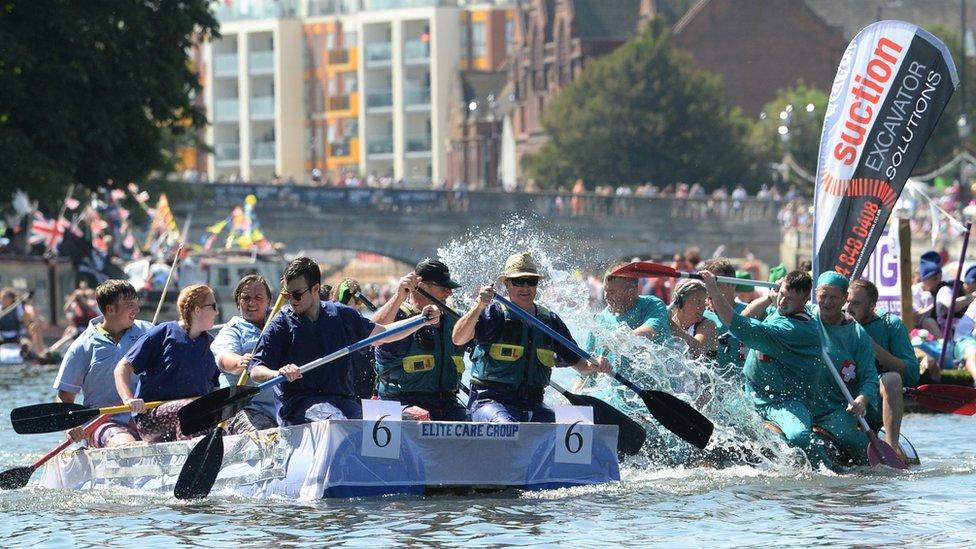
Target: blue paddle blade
(211,409)
(201,467)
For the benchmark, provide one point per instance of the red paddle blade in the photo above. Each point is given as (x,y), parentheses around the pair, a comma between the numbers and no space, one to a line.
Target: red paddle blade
(645,269)
(951,399)
(881,453)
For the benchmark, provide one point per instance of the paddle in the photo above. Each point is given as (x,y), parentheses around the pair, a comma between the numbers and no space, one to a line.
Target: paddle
(211,409)
(648,269)
(202,465)
(17,477)
(630,434)
(879,451)
(364,300)
(952,399)
(59,416)
(20,299)
(673,413)
(169,277)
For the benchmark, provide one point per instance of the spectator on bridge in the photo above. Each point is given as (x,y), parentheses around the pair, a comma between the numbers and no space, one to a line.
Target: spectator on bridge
(577,204)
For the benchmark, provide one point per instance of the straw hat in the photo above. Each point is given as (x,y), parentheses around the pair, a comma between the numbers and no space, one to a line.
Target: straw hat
(520,265)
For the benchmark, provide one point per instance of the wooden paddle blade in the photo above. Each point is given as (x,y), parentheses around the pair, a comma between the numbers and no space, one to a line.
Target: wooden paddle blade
(645,269)
(678,417)
(951,399)
(15,478)
(881,453)
(213,408)
(200,469)
(630,434)
(50,417)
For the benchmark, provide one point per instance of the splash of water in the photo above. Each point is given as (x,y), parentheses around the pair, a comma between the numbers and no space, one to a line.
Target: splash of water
(477,259)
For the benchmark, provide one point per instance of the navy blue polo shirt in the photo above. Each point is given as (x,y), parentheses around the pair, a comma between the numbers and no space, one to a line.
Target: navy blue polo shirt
(294,339)
(170,365)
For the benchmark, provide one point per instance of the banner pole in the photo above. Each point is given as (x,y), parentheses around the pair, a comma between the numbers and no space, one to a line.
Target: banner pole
(905,266)
(947,335)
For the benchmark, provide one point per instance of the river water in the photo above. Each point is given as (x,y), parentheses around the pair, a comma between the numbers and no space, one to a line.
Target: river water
(932,504)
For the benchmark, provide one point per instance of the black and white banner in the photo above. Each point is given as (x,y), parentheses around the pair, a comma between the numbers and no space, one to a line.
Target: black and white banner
(891,88)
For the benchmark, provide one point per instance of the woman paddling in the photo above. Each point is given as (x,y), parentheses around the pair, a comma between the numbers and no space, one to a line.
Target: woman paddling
(174,363)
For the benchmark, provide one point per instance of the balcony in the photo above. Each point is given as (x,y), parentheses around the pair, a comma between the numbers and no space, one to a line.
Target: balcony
(225,64)
(416,97)
(418,142)
(379,53)
(380,145)
(227,153)
(262,107)
(416,51)
(263,152)
(337,57)
(338,103)
(378,99)
(226,110)
(261,62)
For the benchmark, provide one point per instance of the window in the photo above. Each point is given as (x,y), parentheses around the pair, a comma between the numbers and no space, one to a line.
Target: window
(478,40)
(349,39)
(464,43)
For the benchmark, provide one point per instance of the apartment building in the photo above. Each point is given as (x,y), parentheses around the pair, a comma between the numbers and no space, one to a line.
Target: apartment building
(339,86)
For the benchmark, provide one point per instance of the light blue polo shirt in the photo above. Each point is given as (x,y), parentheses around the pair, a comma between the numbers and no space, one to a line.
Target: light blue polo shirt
(89,364)
(240,336)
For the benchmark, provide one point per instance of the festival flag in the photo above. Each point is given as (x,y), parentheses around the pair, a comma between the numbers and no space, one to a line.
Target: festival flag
(163,221)
(892,85)
(47,232)
(71,203)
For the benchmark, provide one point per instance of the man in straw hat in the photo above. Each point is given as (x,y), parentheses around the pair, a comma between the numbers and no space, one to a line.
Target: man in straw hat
(512,361)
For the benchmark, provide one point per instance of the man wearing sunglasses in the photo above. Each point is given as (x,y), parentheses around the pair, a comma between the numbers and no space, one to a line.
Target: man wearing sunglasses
(308,330)
(513,361)
(424,370)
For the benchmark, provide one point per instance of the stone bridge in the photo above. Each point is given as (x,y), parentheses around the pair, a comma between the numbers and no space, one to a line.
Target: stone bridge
(410,224)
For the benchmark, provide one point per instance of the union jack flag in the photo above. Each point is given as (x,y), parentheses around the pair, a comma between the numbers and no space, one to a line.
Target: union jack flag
(47,231)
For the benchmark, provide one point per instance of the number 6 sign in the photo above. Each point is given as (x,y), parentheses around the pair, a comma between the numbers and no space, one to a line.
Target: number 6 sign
(574,434)
(381,428)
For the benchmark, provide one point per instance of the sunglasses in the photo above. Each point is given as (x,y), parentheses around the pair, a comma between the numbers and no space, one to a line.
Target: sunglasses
(297,294)
(529,281)
(213,305)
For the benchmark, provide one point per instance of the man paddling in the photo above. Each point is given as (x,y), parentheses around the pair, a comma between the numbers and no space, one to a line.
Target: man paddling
(425,369)
(232,348)
(851,351)
(645,315)
(309,330)
(896,360)
(89,364)
(784,366)
(513,362)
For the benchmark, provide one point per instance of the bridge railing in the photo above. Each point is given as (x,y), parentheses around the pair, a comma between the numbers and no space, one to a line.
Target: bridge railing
(554,204)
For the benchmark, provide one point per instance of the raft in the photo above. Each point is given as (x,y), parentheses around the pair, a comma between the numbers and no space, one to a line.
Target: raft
(356,458)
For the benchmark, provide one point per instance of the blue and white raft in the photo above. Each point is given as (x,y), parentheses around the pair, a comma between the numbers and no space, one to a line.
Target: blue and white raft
(354,458)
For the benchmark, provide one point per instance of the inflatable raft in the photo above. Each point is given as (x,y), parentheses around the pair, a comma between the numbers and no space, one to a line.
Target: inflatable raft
(353,458)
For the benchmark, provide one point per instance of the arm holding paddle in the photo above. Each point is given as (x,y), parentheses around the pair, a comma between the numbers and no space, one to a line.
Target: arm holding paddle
(123,373)
(387,313)
(465,331)
(291,372)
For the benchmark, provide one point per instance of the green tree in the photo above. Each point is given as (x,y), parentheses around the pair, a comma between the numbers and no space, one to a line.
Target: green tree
(643,113)
(790,123)
(92,91)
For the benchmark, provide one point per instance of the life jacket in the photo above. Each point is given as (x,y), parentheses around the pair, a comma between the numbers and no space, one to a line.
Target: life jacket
(11,327)
(522,357)
(432,364)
